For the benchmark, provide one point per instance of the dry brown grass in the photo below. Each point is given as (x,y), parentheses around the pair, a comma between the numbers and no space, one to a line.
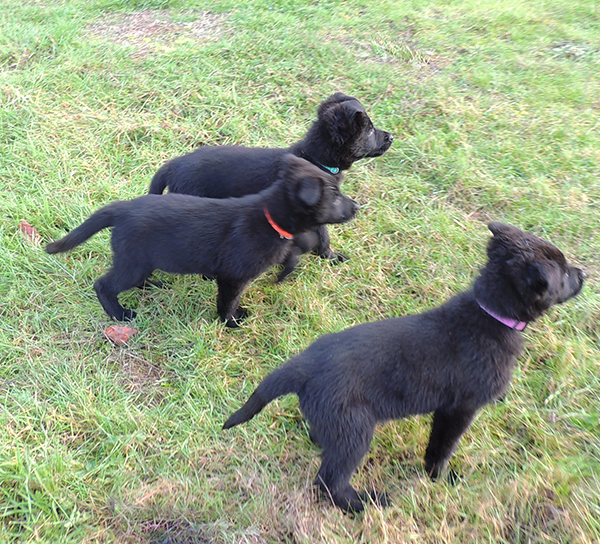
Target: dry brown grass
(149,31)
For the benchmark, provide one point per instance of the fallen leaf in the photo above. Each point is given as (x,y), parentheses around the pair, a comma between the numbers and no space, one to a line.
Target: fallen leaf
(30,233)
(119,335)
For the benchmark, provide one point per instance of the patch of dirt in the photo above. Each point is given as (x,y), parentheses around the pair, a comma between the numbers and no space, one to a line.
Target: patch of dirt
(140,376)
(159,524)
(151,30)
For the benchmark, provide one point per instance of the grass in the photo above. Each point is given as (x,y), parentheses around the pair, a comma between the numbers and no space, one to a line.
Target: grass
(495,110)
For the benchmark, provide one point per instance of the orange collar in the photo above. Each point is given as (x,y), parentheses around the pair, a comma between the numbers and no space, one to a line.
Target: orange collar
(282,233)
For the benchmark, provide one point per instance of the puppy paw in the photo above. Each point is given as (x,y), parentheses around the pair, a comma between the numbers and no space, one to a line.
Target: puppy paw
(331,256)
(435,472)
(232,323)
(346,499)
(378,497)
(355,504)
(338,258)
(452,477)
(350,505)
(236,319)
(128,315)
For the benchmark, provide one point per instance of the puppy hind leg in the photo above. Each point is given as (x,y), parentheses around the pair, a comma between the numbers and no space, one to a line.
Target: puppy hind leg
(108,297)
(340,458)
(115,281)
(447,428)
(333,479)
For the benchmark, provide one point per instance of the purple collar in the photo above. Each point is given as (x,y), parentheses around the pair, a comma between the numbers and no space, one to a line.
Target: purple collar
(510,323)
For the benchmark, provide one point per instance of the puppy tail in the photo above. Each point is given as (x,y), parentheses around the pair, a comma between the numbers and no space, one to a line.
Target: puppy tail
(282,381)
(103,218)
(159,182)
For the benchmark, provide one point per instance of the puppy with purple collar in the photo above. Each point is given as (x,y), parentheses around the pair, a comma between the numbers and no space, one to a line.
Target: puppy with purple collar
(451,360)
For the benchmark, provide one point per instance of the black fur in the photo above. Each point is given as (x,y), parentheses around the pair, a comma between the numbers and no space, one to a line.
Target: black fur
(227,239)
(450,360)
(342,134)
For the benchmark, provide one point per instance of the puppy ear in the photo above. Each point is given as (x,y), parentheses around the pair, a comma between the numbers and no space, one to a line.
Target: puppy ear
(335,98)
(340,97)
(361,119)
(535,276)
(343,120)
(504,230)
(309,191)
(334,123)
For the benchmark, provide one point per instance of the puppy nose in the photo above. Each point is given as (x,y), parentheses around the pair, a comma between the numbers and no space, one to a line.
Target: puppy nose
(355,206)
(389,137)
(582,275)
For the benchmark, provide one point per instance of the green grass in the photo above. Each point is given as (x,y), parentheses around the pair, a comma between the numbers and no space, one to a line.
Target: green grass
(495,109)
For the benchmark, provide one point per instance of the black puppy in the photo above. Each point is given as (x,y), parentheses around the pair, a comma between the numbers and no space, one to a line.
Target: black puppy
(233,240)
(450,360)
(342,134)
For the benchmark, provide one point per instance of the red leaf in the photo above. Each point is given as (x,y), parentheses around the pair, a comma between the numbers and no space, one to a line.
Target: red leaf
(119,335)
(30,233)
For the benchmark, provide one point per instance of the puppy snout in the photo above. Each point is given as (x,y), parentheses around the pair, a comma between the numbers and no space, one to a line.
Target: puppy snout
(389,137)
(578,277)
(349,210)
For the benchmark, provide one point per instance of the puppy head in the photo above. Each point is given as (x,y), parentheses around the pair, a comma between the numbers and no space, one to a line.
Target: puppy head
(315,195)
(535,270)
(349,129)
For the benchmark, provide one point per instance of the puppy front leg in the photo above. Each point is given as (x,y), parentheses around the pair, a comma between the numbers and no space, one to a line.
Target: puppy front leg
(447,428)
(290,263)
(228,300)
(323,248)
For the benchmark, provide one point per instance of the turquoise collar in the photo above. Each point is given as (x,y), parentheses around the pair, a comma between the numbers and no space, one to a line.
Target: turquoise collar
(331,169)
